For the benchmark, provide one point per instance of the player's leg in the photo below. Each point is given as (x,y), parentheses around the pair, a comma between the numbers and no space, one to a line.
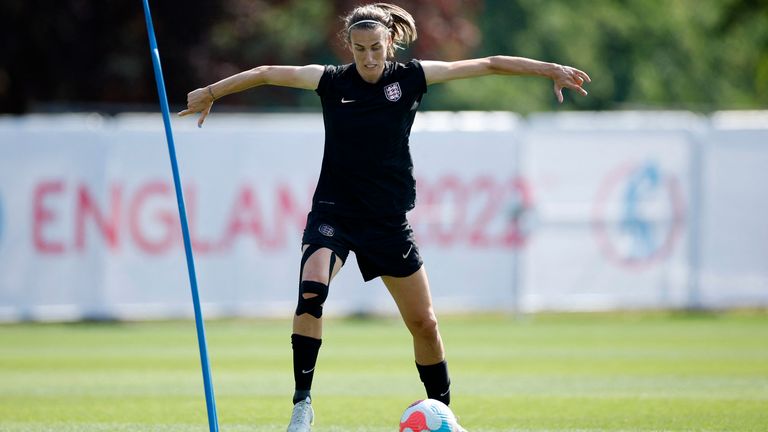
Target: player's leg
(414,301)
(318,267)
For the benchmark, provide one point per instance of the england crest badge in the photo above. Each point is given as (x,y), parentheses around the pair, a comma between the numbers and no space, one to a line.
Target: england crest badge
(393,92)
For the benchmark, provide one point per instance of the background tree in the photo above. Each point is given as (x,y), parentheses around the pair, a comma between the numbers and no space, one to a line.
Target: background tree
(700,55)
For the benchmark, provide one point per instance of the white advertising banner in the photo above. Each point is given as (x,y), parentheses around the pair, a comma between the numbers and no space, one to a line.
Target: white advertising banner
(734,218)
(558,212)
(91,224)
(609,221)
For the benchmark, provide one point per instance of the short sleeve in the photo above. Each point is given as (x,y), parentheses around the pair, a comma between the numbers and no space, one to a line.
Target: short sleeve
(417,74)
(326,80)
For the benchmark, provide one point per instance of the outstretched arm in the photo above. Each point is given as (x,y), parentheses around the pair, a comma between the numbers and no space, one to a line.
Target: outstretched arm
(302,77)
(563,76)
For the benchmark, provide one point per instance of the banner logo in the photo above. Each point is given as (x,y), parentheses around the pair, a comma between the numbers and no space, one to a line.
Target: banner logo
(638,214)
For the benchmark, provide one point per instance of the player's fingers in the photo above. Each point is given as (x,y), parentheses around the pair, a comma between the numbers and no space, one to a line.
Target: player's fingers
(576,84)
(559,93)
(583,75)
(203,115)
(185,112)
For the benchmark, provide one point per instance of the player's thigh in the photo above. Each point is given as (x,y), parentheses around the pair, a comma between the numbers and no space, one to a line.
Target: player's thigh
(321,265)
(412,297)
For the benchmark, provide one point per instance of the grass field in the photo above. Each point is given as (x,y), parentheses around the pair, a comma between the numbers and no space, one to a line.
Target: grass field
(636,372)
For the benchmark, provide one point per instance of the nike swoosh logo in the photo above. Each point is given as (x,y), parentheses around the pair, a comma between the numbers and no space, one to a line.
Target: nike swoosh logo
(405,255)
(307,371)
(443,394)
(347,100)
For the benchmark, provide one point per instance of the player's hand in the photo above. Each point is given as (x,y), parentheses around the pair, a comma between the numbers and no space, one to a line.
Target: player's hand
(198,101)
(570,78)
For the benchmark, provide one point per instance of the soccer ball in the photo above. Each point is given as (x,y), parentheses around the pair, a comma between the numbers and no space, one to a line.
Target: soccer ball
(428,415)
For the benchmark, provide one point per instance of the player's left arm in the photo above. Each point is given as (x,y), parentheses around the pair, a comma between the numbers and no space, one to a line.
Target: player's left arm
(562,76)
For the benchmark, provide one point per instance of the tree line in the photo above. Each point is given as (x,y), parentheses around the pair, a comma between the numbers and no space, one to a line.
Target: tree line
(700,55)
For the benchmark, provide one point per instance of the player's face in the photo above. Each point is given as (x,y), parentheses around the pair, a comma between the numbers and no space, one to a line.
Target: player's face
(370,50)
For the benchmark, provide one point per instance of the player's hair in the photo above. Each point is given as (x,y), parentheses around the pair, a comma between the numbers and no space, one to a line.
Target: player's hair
(397,20)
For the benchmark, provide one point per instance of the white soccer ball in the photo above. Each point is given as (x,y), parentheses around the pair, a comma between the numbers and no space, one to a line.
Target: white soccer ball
(428,415)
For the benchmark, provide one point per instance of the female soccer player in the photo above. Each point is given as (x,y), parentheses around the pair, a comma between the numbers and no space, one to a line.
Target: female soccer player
(366,182)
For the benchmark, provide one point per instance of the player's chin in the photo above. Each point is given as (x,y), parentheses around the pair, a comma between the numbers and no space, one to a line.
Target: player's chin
(373,73)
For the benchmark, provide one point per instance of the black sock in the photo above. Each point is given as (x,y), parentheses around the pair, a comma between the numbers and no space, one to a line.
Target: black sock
(436,381)
(305,350)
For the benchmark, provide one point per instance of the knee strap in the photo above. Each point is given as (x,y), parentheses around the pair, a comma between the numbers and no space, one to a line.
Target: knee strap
(312,305)
(312,248)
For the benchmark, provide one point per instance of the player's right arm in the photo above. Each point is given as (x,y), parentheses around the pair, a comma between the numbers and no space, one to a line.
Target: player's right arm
(301,77)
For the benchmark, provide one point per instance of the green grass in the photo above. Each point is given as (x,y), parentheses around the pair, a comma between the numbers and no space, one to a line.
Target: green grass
(635,372)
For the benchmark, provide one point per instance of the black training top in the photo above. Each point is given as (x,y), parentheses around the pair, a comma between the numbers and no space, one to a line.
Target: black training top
(367,168)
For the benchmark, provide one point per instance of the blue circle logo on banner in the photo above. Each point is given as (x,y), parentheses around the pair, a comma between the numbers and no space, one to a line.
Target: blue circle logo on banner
(646,217)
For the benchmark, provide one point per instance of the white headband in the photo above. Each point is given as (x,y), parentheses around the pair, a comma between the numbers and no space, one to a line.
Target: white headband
(366,21)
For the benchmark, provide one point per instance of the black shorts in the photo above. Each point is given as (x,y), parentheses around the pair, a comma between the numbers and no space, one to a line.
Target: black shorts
(383,246)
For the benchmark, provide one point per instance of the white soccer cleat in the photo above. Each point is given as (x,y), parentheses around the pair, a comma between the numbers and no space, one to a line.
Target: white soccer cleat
(303,417)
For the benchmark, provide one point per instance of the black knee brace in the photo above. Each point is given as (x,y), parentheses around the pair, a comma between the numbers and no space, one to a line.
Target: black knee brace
(312,305)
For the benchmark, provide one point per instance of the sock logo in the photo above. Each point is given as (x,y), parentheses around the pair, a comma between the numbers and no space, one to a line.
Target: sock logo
(307,371)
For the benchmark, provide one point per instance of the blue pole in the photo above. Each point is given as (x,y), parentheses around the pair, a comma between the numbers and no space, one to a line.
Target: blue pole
(210,401)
